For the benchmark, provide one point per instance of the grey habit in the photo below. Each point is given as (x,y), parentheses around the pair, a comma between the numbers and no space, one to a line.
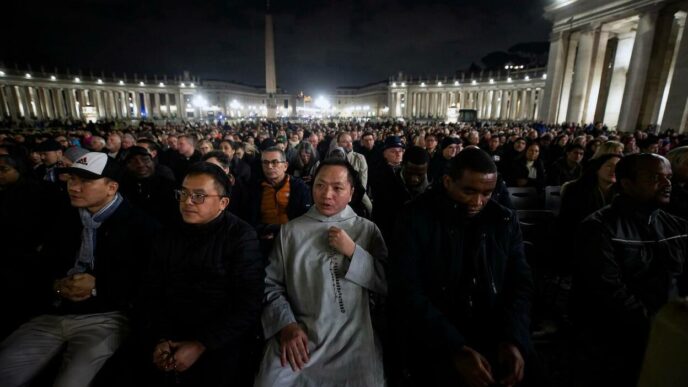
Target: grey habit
(310,283)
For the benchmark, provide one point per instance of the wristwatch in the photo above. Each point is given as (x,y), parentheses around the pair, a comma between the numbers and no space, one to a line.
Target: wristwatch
(94,292)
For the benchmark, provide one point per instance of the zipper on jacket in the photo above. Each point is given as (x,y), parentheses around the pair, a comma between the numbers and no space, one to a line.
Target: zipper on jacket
(488,269)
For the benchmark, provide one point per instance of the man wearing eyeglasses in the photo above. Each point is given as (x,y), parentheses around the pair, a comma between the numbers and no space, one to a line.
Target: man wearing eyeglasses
(277,198)
(203,290)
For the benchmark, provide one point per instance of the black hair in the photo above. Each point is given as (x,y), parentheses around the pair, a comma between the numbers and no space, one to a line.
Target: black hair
(214,172)
(154,145)
(574,146)
(416,155)
(16,163)
(628,166)
(352,175)
(231,143)
(220,156)
(473,159)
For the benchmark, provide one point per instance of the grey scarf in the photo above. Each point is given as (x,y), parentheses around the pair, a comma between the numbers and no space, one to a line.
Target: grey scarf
(84,261)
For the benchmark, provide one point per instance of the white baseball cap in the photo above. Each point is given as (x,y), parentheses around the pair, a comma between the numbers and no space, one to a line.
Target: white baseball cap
(94,165)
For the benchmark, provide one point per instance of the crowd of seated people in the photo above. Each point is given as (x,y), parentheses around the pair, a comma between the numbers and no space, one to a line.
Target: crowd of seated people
(329,253)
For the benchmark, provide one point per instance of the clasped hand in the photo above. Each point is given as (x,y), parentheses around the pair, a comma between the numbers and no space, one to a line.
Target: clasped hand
(177,355)
(76,287)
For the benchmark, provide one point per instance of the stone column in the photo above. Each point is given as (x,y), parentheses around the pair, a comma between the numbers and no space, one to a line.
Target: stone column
(675,113)
(59,104)
(47,103)
(419,104)
(596,71)
(565,95)
(133,110)
(581,76)
(156,109)
(556,63)
(168,107)
(493,104)
(637,71)
(432,104)
(426,104)
(116,104)
(662,61)
(15,101)
(147,105)
(408,107)
(4,103)
(513,112)
(101,101)
(622,59)
(503,112)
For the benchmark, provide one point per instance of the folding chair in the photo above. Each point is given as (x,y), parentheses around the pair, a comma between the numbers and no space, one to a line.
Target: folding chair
(524,198)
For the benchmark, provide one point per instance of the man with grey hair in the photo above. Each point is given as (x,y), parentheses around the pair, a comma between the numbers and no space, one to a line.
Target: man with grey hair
(114,145)
(678,157)
(97,144)
(276,198)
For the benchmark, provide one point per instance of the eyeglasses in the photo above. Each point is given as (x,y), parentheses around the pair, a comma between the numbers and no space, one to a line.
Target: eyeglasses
(272,163)
(196,198)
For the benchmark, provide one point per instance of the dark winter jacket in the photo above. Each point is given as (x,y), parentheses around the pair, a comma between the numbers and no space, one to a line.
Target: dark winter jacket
(629,261)
(429,275)
(121,254)
(204,283)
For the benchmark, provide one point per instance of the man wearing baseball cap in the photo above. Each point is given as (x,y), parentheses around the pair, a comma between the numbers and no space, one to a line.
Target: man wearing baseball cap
(449,148)
(51,156)
(89,262)
(385,171)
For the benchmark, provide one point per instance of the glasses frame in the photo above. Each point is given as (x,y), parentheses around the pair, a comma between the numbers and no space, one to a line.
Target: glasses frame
(272,163)
(196,198)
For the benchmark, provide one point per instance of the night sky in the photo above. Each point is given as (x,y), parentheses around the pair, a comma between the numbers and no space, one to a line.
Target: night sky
(319,44)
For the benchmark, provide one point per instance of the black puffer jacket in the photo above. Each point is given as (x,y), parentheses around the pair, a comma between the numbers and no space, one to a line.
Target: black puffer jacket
(205,283)
(629,262)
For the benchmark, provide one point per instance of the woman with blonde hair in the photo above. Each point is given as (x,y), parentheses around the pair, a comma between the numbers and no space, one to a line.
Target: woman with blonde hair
(205,146)
(609,147)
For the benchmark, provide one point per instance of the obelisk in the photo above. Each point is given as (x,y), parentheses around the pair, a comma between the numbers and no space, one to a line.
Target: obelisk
(270,73)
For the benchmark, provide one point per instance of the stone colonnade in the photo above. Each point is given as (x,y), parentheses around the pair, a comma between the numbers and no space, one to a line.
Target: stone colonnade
(506,99)
(36,98)
(624,64)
